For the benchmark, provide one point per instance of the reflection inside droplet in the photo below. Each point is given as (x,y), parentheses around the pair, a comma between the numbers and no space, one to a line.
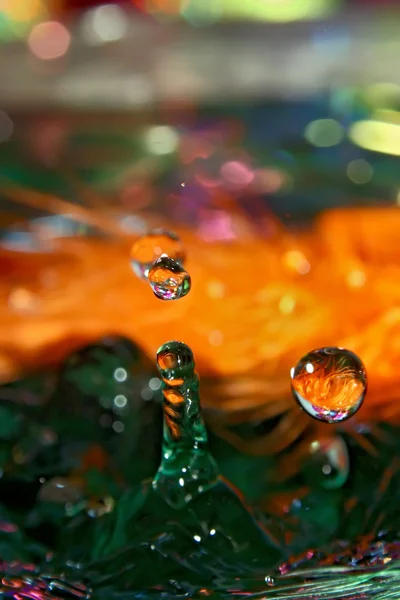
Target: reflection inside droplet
(168,280)
(328,463)
(329,384)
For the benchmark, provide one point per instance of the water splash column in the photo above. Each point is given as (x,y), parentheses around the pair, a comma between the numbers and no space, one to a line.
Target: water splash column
(187,467)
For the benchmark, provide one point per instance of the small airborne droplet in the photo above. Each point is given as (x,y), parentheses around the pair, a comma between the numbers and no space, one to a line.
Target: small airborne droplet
(329,384)
(147,249)
(168,280)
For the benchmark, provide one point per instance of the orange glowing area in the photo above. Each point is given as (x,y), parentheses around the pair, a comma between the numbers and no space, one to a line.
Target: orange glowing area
(172,7)
(329,384)
(258,303)
(294,260)
(22,11)
(49,40)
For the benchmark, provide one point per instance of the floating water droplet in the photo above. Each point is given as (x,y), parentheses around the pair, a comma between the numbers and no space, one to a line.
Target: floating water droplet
(187,468)
(270,581)
(329,384)
(329,463)
(151,247)
(168,280)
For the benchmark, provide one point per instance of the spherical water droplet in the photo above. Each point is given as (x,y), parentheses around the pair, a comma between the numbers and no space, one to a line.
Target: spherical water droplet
(270,581)
(329,463)
(175,362)
(150,247)
(168,280)
(329,384)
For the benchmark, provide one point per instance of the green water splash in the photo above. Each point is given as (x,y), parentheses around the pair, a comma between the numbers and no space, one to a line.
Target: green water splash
(187,467)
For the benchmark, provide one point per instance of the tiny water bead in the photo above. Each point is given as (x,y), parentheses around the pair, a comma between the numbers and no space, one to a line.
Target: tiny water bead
(168,280)
(329,384)
(149,248)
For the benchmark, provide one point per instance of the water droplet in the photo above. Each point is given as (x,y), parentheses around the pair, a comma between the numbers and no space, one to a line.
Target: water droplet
(269,581)
(151,247)
(329,384)
(175,362)
(329,463)
(168,280)
(187,468)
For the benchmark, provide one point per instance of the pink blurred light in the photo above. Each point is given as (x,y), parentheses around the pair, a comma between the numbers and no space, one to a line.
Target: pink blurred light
(49,40)
(237,174)
(216,225)
(7,527)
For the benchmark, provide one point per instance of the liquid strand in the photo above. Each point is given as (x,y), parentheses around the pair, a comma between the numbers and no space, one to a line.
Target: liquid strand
(187,466)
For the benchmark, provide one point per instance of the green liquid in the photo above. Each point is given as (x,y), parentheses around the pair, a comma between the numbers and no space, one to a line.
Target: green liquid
(187,532)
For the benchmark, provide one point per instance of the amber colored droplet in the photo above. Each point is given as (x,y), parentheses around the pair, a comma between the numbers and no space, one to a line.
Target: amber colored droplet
(168,280)
(329,384)
(149,248)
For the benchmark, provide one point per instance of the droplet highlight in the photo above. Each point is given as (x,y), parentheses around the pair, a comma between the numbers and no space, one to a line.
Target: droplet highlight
(329,384)
(149,248)
(168,279)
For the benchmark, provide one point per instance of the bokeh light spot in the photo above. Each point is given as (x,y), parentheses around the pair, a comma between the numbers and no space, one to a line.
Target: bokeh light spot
(324,133)
(104,24)
(161,140)
(294,260)
(356,279)
(376,136)
(359,171)
(21,11)
(237,174)
(49,40)
(287,305)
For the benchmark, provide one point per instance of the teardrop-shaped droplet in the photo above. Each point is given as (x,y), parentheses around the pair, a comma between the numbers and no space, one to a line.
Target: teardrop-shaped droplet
(168,280)
(149,248)
(328,464)
(329,384)
(187,466)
